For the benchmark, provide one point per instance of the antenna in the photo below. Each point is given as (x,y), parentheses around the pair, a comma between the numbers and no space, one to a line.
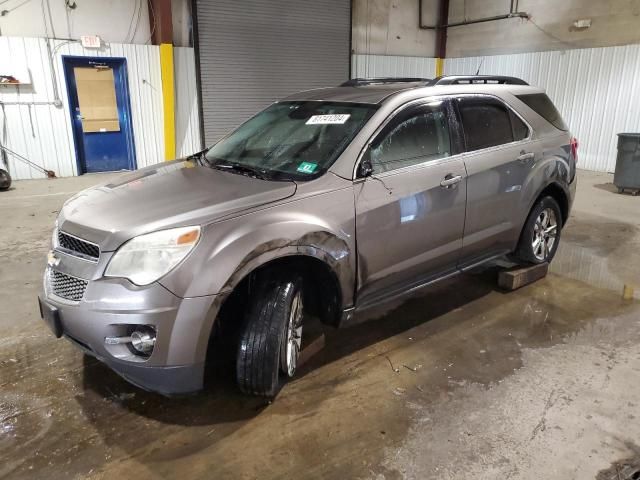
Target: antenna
(479,65)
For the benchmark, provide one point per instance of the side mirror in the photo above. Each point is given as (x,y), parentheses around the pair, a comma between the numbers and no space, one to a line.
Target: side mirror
(366,168)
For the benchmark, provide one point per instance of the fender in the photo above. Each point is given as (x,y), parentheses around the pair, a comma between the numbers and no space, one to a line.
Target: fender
(231,249)
(321,226)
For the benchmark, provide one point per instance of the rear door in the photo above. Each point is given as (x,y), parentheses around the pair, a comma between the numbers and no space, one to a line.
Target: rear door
(410,212)
(499,157)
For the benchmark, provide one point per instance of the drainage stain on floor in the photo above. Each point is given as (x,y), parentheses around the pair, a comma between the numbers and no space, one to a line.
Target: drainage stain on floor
(627,469)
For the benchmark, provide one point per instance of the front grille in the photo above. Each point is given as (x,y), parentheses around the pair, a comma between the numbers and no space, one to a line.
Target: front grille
(66,286)
(77,246)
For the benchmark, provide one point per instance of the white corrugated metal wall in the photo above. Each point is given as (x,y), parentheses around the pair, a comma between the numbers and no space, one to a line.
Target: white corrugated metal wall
(187,113)
(370,66)
(597,90)
(31,125)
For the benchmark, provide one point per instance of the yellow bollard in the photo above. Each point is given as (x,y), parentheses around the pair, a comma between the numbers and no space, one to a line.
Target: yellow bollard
(168,100)
(627,292)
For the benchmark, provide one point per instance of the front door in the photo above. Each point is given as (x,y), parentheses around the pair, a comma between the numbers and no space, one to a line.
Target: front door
(410,212)
(100,113)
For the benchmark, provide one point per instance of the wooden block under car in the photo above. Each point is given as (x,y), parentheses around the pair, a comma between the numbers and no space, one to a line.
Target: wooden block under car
(520,276)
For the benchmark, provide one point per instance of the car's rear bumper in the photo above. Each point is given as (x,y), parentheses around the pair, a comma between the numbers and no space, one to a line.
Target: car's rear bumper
(572,191)
(112,308)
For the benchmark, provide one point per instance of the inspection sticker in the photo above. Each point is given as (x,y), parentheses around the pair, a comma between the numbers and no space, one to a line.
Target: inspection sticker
(307,167)
(335,119)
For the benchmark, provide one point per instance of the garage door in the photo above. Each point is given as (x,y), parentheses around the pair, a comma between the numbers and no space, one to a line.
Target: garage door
(254,52)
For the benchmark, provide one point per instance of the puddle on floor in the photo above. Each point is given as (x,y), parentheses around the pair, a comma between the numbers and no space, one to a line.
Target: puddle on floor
(601,252)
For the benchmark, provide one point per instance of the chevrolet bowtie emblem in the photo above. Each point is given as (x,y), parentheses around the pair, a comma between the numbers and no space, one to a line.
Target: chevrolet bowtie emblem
(52,260)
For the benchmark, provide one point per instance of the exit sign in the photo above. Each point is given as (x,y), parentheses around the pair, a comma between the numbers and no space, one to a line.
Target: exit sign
(90,41)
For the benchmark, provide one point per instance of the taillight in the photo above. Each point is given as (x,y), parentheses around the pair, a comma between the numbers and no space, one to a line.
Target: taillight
(574,149)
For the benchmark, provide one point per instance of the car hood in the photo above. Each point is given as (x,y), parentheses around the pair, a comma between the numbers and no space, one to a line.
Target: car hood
(167,195)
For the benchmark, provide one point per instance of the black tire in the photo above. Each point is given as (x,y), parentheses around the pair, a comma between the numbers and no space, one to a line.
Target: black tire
(5,180)
(259,360)
(525,250)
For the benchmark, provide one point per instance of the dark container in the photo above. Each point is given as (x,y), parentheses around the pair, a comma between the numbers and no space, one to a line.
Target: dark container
(5,180)
(627,175)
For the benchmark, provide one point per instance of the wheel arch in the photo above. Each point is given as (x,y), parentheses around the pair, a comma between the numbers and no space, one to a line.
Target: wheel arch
(555,190)
(558,193)
(322,286)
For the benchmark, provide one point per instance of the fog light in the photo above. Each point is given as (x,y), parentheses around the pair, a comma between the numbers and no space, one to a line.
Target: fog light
(143,341)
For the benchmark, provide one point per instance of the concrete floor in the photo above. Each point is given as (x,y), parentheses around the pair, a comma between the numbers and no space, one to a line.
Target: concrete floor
(461,382)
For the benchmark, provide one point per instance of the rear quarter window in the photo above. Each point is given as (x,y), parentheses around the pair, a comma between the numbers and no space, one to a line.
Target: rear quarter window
(543,106)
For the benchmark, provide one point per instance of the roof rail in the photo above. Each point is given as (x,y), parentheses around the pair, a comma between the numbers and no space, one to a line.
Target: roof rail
(355,82)
(476,79)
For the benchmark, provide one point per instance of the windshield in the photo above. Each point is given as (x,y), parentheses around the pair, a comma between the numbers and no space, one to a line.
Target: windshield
(290,140)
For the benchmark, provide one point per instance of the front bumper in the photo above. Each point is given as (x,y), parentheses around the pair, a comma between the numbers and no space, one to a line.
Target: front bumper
(111,307)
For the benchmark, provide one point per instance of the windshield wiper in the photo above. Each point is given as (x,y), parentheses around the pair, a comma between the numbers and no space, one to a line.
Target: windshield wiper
(200,157)
(241,169)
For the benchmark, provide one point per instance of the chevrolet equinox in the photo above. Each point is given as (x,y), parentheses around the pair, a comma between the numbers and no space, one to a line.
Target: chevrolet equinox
(326,203)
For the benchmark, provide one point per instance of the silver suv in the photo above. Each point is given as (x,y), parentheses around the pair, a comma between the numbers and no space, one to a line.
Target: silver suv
(324,204)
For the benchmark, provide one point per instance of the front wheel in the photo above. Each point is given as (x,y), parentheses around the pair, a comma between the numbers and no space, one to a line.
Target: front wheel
(271,339)
(541,234)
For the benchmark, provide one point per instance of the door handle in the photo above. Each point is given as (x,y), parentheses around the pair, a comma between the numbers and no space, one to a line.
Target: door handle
(526,157)
(451,180)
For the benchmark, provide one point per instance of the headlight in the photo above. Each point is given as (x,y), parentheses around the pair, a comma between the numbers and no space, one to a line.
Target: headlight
(146,258)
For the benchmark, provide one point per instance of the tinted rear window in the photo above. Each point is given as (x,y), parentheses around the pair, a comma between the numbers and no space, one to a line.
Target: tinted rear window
(542,105)
(486,123)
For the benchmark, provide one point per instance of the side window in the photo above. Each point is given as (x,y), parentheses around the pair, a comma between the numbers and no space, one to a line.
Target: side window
(520,129)
(486,123)
(415,136)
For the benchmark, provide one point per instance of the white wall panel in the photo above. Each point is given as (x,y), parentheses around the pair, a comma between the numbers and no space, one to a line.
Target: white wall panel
(110,20)
(596,90)
(187,114)
(371,66)
(34,127)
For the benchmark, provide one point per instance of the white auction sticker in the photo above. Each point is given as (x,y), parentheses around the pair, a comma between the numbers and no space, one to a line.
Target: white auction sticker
(335,119)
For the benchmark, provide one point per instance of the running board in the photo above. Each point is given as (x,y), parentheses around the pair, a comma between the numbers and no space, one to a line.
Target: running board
(348,317)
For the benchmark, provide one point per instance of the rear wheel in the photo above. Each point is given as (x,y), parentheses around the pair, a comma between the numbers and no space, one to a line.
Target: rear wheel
(271,339)
(541,234)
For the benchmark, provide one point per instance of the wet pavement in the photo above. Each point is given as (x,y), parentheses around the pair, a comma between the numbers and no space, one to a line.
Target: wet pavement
(462,381)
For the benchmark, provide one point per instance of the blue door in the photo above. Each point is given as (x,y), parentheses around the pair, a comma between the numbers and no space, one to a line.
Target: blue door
(100,113)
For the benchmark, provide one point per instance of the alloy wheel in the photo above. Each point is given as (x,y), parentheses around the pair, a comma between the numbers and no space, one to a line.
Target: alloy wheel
(293,340)
(545,231)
